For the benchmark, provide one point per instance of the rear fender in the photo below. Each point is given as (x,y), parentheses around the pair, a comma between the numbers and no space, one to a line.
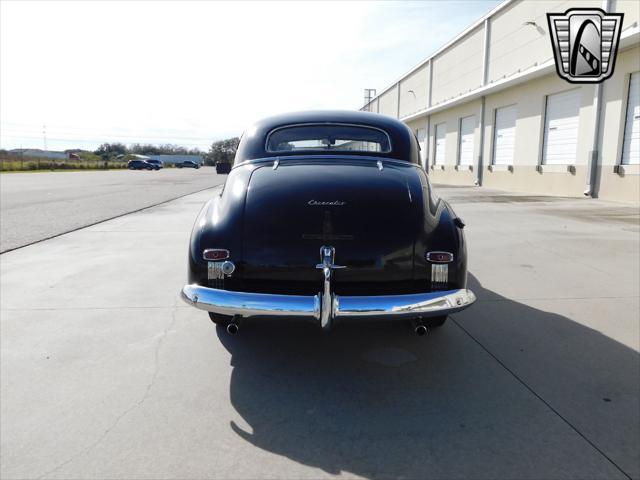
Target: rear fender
(440,233)
(219,225)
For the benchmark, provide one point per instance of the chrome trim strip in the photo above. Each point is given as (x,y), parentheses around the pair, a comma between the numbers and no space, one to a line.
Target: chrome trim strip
(339,308)
(397,307)
(251,305)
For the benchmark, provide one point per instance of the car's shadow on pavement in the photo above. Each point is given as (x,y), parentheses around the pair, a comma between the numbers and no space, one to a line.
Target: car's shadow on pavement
(378,401)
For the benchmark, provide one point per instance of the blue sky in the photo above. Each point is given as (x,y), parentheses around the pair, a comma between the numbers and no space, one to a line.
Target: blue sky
(192,72)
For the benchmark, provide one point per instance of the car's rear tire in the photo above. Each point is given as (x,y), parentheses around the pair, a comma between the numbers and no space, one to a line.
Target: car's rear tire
(435,322)
(222,320)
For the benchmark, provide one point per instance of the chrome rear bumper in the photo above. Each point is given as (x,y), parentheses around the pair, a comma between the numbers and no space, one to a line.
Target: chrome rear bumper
(343,308)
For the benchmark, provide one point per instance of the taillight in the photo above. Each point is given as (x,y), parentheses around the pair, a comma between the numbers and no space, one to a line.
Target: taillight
(439,257)
(215,254)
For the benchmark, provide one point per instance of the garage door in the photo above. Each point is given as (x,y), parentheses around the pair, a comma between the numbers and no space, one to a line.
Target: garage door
(561,128)
(631,148)
(465,146)
(441,133)
(421,133)
(504,139)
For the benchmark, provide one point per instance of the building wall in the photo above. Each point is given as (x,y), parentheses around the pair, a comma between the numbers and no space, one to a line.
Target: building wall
(389,102)
(519,71)
(631,10)
(459,68)
(414,91)
(530,101)
(372,106)
(613,185)
(509,37)
(448,173)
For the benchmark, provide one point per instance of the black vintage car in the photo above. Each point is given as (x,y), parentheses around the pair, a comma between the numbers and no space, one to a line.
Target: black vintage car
(328,217)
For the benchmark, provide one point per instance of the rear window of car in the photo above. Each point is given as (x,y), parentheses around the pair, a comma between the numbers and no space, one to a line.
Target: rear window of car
(328,138)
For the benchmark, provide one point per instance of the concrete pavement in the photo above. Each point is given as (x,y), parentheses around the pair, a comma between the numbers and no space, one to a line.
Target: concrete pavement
(105,374)
(39,205)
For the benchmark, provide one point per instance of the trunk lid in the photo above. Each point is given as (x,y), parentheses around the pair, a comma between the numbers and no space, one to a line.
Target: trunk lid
(369,215)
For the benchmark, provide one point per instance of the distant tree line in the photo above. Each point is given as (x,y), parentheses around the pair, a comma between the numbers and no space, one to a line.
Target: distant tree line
(109,150)
(222,151)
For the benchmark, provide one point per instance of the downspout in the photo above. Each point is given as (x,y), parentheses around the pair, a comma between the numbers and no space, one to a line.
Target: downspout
(485,76)
(481,153)
(427,143)
(593,170)
(429,93)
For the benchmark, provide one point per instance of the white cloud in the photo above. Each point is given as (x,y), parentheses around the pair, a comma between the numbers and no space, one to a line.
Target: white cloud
(191,72)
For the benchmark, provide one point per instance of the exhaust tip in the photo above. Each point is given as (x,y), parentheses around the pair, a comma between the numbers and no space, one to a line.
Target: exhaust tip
(421,330)
(232,328)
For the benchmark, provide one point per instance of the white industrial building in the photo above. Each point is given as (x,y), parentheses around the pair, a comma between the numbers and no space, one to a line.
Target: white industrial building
(488,108)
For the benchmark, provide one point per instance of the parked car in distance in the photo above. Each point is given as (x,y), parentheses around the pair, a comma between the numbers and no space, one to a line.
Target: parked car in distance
(328,217)
(139,165)
(155,164)
(223,167)
(188,164)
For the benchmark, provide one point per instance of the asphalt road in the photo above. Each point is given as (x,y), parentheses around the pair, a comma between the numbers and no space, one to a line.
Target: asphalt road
(40,205)
(106,374)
